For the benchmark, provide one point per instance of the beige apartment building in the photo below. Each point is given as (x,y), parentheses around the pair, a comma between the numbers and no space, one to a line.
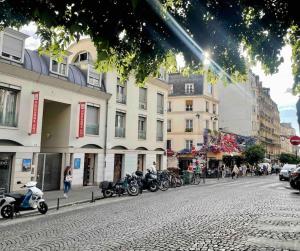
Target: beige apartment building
(286,132)
(193,106)
(136,122)
(52,114)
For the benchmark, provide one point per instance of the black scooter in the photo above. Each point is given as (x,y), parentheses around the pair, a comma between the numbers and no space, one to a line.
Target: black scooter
(127,185)
(149,182)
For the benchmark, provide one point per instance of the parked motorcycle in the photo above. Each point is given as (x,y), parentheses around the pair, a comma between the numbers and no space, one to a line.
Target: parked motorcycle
(11,203)
(149,182)
(163,180)
(127,185)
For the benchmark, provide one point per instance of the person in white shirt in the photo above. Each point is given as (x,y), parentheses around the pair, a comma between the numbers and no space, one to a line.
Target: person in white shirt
(153,167)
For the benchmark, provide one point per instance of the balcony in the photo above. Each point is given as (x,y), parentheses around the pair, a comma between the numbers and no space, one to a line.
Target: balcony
(143,105)
(92,129)
(188,129)
(121,99)
(142,134)
(160,109)
(120,132)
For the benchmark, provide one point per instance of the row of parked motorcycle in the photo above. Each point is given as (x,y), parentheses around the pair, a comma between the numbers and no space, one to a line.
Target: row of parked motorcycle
(134,184)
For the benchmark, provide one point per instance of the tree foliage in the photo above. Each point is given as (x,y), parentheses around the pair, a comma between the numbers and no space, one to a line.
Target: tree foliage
(138,36)
(254,154)
(287,158)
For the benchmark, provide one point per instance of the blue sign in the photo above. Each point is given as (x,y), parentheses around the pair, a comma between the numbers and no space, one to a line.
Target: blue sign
(77,163)
(26,165)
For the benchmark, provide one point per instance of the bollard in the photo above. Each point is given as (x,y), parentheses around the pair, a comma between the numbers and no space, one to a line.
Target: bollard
(93,197)
(57,206)
(13,211)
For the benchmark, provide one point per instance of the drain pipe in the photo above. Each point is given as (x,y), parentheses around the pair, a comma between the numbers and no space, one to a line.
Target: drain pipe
(105,139)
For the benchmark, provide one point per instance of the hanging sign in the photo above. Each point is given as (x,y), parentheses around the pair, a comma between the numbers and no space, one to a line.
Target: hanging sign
(35,112)
(81,119)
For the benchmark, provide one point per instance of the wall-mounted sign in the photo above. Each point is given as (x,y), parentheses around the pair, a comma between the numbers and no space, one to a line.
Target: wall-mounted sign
(77,163)
(35,112)
(81,119)
(26,165)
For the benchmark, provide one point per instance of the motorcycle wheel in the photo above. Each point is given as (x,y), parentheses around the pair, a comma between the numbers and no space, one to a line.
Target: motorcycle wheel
(164,185)
(7,211)
(179,182)
(153,187)
(133,190)
(107,193)
(43,208)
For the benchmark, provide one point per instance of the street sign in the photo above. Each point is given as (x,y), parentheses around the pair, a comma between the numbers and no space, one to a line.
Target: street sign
(295,140)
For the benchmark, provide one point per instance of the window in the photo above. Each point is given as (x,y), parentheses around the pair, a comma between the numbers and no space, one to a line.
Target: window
(121,92)
(189,144)
(159,130)
(207,124)
(169,106)
(206,106)
(169,144)
(143,98)
(120,124)
(189,125)
(210,89)
(142,127)
(83,56)
(8,107)
(92,120)
(12,47)
(189,88)
(169,126)
(60,68)
(160,103)
(94,78)
(214,109)
(189,105)
(170,89)
(215,126)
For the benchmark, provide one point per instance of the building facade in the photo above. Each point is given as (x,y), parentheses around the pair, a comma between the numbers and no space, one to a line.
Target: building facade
(51,116)
(286,132)
(136,122)
(193,106)
(247,109)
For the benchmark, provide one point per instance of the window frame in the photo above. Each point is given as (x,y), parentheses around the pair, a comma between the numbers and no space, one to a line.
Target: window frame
(187,89)
(124,95)
(86,123)
(160,138)
(189,146)
(124,118)
(189,108)
(160,111)
(58,67)
(89,70)
(145,102)
(169,125)
(145,127)
(189,125)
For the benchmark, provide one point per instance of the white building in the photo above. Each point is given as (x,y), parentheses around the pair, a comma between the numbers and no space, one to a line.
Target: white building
(51,115)
(136,123)
(238,108)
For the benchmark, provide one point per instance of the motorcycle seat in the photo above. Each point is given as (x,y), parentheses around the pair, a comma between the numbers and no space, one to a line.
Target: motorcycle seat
(16,196)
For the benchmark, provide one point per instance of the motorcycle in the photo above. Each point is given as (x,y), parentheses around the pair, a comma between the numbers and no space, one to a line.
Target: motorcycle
(148,182)
(11,203)
(127,185)
(163,180)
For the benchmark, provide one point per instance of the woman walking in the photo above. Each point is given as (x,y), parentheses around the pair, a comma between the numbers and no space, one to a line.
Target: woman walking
(67,180)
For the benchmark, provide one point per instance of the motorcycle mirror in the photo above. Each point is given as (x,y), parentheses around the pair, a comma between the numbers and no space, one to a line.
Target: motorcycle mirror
(19,182)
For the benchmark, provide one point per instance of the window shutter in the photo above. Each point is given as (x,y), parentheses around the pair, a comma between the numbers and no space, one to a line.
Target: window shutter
(12,46)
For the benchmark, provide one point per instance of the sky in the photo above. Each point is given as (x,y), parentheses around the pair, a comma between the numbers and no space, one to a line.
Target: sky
(279,83)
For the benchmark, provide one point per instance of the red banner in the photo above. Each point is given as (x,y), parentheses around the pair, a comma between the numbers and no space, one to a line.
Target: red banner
(35,112)
(81,119)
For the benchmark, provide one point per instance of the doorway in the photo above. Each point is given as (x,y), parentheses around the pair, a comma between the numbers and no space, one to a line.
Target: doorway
(49,171)
(118,164)
(158,161)
(5,171)
(89,169)
(141,162)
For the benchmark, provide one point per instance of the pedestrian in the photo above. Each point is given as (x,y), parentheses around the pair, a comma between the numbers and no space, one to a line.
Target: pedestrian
(67,180)
(153,167)
(235,172)
(244,170)
(223,171)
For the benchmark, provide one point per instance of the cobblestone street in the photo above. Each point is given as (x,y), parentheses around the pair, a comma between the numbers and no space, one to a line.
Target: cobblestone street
(255,213)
